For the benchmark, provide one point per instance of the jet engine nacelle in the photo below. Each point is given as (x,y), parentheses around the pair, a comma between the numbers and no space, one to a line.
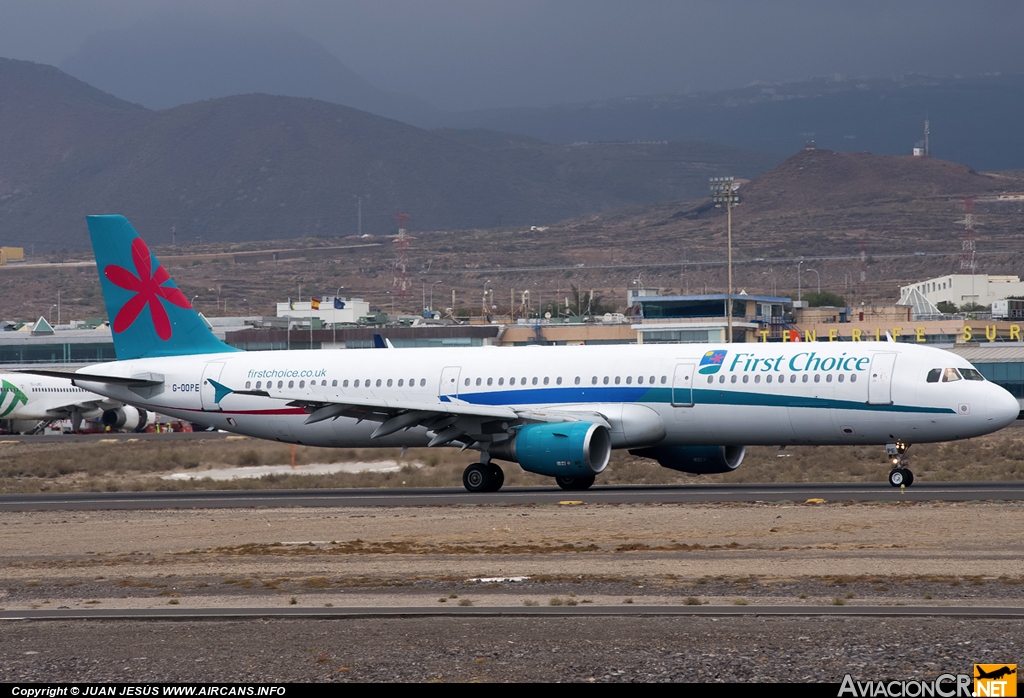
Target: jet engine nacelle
(563,449)
(698,460)
(127,417)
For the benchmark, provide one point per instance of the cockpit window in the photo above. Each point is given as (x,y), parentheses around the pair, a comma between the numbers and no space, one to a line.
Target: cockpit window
(950,375)
(972,374)
(934,375)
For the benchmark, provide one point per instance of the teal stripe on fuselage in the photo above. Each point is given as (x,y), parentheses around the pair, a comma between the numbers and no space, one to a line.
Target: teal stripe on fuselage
(701,396)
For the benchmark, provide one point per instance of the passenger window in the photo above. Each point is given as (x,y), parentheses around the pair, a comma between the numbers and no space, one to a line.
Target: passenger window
(640,380)
(479,381)
(828,378)
(356,384)
(972,374)
(323,383)
(853,377)
(950,375)
(258,384)
(746,378)
(291,384)
(247,384)
(490,381)
(423,382)
(577,380)
(558,381)
(280,384)
(768,378)
(512,380)
(841,377)
(711,379)
(934,375)
(501,381)
(535,380)
(302,384)
(378,382)
(606,380)
(757,378)
(593,380)
(617,380)
(629,380)
(467,381)
(664,379)
(806,378)
(651,380)
(390,382)
(344,383)
(400,381)
(733,378)
(545,380)
(721,379)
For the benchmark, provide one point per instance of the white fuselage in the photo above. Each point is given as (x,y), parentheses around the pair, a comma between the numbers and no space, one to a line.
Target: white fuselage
(39,398)
(794,393)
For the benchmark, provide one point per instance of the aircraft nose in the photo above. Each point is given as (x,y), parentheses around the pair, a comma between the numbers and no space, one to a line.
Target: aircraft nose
(1002,407)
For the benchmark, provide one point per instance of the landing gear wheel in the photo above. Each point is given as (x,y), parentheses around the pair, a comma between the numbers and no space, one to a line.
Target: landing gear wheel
(477,478)
(901,476)
(575,483)
(497,477)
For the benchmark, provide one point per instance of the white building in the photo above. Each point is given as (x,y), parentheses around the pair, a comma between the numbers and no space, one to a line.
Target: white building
(330,310)
(959,289)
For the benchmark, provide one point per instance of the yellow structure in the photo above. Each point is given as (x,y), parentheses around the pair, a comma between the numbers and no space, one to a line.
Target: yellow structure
(12,254)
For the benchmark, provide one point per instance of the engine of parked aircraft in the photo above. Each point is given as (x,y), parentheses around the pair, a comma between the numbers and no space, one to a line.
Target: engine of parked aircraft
(565,449)
(698,460)
(127,417)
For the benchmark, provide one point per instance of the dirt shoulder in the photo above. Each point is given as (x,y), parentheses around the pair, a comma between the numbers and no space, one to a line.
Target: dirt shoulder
(602,554)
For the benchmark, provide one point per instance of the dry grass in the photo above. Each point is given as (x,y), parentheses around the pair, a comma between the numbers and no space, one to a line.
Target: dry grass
(136,466)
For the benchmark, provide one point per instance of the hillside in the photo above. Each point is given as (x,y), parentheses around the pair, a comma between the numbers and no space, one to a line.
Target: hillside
(256,167)
(974,119)
(812,212)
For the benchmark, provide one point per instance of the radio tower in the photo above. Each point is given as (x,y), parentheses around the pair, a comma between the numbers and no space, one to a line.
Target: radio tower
(968,260)
(401,274)
(863,265)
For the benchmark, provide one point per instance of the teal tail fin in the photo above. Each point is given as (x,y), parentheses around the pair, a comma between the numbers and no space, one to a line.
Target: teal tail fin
(149,315)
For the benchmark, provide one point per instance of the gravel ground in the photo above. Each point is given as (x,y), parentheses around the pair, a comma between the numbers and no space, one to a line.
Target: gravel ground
(617,649)
(810,554)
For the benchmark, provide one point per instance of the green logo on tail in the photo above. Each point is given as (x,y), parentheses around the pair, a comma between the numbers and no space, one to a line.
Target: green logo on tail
(18,398)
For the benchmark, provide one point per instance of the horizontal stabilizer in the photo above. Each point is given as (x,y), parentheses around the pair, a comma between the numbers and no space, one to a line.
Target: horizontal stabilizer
(144,381)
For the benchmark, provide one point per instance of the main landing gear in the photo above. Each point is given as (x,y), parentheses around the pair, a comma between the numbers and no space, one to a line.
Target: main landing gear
(483,477)
(899,476)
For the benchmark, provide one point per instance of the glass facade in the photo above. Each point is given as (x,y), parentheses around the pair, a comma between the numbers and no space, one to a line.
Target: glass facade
(57,353)
(1006,374)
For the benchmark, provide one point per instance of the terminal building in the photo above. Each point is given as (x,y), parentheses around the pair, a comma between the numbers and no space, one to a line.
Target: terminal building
(961,289)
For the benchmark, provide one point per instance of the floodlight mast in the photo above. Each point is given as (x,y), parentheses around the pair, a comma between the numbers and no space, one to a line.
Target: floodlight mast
(722,194)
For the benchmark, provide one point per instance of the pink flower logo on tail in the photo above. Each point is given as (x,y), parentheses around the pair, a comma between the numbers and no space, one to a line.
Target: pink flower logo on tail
(149,290)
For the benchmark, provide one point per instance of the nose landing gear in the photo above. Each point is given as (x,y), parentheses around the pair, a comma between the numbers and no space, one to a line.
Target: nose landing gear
(899,475)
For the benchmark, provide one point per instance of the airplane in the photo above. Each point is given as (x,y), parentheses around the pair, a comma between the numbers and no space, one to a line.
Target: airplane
(994,674)
(42,400)
(557,411)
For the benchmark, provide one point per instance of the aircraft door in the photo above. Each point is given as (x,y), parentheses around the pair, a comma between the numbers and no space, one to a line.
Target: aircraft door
(682,385)
(880,379)
(207,394)
(449,381)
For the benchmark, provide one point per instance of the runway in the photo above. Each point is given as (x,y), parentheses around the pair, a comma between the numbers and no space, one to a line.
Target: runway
(423,497)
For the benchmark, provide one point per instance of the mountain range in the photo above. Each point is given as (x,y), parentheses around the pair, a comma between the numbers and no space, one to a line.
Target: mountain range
(256,166)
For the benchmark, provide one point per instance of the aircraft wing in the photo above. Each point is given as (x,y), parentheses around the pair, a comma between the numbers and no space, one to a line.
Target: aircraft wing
(450,421)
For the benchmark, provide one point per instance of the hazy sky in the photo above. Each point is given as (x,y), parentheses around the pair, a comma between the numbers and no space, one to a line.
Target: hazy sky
(467,54)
